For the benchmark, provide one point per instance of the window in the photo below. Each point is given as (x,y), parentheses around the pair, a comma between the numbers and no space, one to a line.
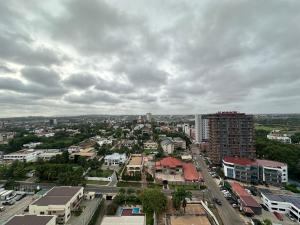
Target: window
(273,203)
(42,213)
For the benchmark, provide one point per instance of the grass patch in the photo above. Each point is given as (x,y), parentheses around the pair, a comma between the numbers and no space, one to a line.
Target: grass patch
(153,185)
(99,182)
(128,184)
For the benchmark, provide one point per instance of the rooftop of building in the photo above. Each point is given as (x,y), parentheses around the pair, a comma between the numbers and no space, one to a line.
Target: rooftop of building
(58,196)
(294,199)
(170,162)
(23,152)
(270,163)
(249,162)
(189,220)
(190,172)
(115,156)
(244,196)
(136,160)
(29,220)
(123,220)
(239,161)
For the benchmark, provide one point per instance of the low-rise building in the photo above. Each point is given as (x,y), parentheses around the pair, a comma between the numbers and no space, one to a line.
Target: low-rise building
(115,159)
(179,143)
(255,171)
(5,137)
(135,164)
(47,154)
(32,145)
(276,135)
(246,202)
(173,170)
(59,201)
(25,155)
(152,145)
(32,220)
(282,203)
(167,146)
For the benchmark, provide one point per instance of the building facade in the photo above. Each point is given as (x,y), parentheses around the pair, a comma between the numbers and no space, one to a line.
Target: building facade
(255,171)
(201,128)
(115,159)
(230,134)
(58,201)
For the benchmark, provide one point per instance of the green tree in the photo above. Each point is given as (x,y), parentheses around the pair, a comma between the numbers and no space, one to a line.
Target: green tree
(267,222)
(179,197)
(153,201)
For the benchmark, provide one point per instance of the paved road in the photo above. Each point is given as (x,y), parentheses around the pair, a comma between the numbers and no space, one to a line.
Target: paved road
(227,213)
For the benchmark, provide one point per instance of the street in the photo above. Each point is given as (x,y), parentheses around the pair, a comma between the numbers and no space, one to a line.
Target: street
(227,213)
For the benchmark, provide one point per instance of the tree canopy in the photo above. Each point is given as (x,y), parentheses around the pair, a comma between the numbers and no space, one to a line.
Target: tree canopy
(153,201)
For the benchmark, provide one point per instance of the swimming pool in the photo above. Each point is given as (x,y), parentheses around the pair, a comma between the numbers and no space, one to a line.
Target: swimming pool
(128,211)
(136,210)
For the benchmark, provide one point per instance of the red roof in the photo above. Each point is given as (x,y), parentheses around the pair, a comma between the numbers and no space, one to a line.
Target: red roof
(238,161)
(244,196)
(190,172)
(168,162)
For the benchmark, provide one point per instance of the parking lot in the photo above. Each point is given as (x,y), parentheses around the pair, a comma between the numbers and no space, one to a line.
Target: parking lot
(17,208)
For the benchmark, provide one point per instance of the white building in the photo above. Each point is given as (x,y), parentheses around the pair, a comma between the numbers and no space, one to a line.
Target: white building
(73,149)
(104,141)
(201,128)
(115,159)
(277,136)
(59,201)
(32,144)
(26,155)
(285,204)
(167,146)
(186,129)
(32,220)
(148,117)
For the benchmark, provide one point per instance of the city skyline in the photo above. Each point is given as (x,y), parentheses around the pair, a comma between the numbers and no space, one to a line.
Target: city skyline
(65,58)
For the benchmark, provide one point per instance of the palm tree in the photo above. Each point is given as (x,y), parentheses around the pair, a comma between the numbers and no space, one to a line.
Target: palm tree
(179,197)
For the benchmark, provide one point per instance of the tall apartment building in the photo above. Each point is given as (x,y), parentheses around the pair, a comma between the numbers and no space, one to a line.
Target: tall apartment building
(201,128)
(230,134)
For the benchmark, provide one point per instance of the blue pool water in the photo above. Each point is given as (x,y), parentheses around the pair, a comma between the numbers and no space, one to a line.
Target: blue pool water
(136,210)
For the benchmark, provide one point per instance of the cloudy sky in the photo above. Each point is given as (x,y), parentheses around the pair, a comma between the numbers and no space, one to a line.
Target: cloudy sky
(70,57)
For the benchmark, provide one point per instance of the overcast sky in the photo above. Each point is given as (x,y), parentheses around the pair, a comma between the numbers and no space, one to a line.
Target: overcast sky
(70,57)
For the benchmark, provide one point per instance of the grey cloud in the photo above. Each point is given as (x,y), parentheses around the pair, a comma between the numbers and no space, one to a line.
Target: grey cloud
(41,76)
(81,80)
(91,97)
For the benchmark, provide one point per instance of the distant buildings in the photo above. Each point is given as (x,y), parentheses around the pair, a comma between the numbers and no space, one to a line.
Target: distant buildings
(148,117)
(230,134)
(255,171)
(53,122)
(5,137)
(169,144)
(186,129)
(277,136)
(59,201)
(115,159)
(201,128)
(282,203)
(32,220)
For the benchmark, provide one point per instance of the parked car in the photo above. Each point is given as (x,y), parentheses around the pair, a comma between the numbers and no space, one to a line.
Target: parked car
(234,205)
(217,201)
(2,208)
(20,196)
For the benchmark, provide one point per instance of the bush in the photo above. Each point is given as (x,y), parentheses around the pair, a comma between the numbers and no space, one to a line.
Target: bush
(135,177)
(112,209)
(149,178)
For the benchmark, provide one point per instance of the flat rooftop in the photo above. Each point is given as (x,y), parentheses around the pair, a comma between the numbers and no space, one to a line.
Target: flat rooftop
(29,220)
(123,220)
(294,199)
(136,160)
(57,196)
